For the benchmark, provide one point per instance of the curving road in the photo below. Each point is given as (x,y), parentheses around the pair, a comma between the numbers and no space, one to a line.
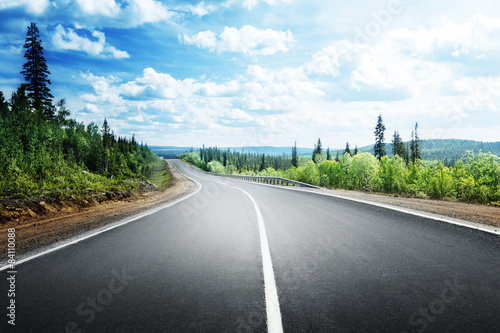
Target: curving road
(244,257)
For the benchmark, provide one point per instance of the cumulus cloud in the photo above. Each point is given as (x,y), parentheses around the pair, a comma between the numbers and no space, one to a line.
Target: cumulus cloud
(32,6)
(99,7)
(247,40)
(68,39)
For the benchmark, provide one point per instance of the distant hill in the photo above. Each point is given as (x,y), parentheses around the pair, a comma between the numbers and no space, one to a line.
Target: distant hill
(432,150)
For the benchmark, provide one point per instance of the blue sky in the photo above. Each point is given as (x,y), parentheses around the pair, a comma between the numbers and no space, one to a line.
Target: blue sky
(267,72)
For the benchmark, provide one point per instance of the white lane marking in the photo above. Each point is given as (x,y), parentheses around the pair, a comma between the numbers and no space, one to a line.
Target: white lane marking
(134,218)
(274,324)
(462,223)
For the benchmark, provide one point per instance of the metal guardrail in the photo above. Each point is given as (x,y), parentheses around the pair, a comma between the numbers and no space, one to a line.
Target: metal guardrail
(260,179)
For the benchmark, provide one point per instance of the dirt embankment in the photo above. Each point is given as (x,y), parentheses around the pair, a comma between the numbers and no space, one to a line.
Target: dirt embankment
(43,221)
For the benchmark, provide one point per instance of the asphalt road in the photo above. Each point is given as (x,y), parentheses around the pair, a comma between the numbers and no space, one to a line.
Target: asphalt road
(197,266)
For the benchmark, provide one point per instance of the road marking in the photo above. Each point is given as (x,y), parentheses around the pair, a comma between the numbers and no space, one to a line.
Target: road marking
(273,313)
(462,223)
(133,218)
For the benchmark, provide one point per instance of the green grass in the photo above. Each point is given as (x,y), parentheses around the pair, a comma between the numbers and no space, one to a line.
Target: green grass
(160,175)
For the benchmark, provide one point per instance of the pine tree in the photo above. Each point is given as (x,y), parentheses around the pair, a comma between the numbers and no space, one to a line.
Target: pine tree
(4,107)
(262,166)
(356,150)
(328,156)
(415,145)
(318,150)
(36,74)
(398,146)
(347,149)
(379,148)
(295,159)
(106,142)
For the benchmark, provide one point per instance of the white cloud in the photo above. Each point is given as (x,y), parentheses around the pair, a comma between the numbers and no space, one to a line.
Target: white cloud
(68,39)
(249,4)
(247,40)
(329,60)
(201,9)
(33,6)
(99,7)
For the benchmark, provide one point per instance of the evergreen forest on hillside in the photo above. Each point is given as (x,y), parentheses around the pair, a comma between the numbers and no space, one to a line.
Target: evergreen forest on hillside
(45,152)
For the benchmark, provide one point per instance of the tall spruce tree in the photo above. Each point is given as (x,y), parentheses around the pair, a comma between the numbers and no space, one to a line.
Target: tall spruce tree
(36,74)
(415,145)
(398,146)
(328,155)
(318,150)
(379,148)
(4,107)
(295,159)
(356,150)
(347,149)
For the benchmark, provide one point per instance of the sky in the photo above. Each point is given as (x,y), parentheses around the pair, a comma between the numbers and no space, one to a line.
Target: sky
(266,72)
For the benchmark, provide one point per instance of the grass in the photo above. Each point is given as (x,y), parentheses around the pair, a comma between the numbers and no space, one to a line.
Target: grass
(160,175)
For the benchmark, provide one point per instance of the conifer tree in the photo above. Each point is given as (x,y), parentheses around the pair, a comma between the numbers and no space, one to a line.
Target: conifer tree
(262,166)
(415,145)
(4,107)
(36,74)
(356,150)
(379,148)
(318,150)
(295,159)
(398,146)
(347,149)
(328,156)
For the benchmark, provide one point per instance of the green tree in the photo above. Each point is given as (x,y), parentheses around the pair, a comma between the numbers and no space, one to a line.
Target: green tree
(4,107)
(347,150)
(328,156)
(36,73)
(379,148)
(295,159)
(398,146)
(415,145)
(262,163)
(318,150)
(356,150)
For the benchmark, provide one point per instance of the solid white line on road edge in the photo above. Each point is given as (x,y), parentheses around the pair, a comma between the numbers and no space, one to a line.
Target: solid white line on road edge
(274,324)
(462,223)
(134,218)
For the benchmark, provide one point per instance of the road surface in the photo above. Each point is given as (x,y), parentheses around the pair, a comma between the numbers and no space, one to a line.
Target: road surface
(203,265)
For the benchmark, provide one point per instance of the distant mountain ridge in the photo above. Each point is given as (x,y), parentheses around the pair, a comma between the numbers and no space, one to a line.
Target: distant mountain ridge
(433,149)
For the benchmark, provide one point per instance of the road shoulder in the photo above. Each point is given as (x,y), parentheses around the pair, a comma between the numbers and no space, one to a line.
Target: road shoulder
(44,231)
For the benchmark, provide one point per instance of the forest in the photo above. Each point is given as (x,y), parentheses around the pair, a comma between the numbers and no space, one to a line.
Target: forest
(474,177)
(45,152)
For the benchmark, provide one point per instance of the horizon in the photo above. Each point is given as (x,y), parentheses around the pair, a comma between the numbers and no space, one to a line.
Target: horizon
(256,73)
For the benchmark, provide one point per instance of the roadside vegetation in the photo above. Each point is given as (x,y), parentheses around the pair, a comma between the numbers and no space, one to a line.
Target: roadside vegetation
(474,178)
(45,152)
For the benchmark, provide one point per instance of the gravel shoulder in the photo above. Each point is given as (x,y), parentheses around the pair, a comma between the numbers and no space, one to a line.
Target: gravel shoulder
(475,215)
(57,225)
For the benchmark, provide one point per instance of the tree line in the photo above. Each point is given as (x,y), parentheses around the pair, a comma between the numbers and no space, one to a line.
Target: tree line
(473,178)
(44,151)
